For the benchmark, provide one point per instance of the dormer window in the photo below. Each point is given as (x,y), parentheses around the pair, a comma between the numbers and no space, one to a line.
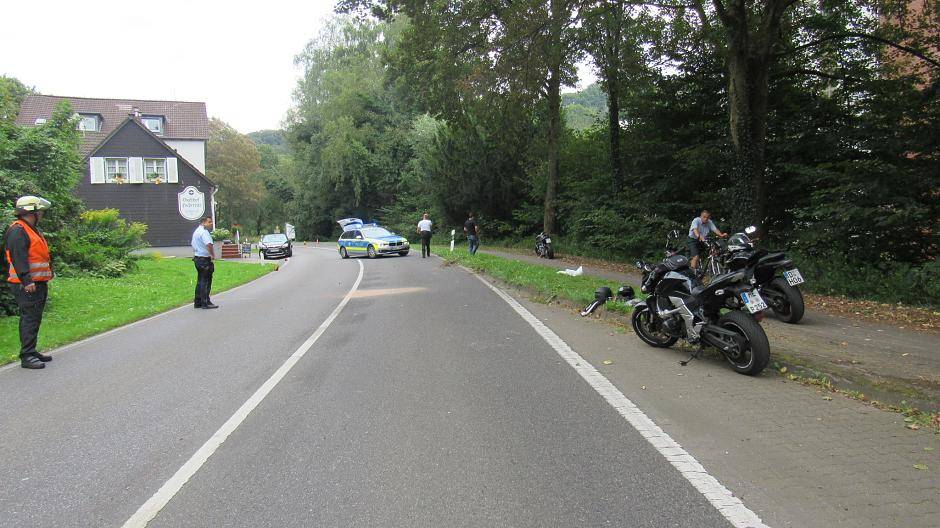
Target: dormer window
(153,124)
(89,123)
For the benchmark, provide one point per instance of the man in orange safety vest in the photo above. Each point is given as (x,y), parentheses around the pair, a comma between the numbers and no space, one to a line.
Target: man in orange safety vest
(29,274)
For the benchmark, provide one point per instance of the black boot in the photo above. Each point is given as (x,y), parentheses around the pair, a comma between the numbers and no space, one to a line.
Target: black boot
(44,358)
(31,362)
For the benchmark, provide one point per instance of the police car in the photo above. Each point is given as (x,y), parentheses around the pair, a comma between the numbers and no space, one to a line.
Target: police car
(359,238)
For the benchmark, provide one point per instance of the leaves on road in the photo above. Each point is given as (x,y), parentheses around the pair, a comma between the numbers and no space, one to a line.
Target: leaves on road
(922,467)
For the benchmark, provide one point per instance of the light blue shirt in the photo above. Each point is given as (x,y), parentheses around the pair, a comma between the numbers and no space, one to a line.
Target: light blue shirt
(201,239)
(703,228)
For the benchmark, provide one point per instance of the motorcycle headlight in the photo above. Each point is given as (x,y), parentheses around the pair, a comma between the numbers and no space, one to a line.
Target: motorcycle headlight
(548,241)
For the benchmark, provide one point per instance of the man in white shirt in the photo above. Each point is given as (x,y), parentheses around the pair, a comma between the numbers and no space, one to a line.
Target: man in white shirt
(424,229)
(701,226)
(203,255)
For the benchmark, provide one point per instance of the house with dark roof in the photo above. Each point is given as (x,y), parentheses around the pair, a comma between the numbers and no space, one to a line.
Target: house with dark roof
(145,158)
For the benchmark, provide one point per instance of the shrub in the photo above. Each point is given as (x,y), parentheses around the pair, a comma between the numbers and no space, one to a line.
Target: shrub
(221,234)
(99,244)
(885,281)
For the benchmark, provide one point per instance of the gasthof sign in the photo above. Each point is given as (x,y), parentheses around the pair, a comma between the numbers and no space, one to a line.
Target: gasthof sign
(192,203)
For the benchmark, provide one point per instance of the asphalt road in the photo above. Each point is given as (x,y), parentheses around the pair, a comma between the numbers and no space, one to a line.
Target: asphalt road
(427,402)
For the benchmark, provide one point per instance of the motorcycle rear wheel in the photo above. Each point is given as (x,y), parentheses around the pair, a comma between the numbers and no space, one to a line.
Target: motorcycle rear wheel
(790,309)
(642,322)
(756,356)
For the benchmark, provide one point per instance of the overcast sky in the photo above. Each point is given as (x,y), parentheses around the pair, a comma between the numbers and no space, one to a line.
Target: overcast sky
(239,61)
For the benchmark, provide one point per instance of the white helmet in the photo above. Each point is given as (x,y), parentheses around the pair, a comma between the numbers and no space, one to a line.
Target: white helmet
(30,204)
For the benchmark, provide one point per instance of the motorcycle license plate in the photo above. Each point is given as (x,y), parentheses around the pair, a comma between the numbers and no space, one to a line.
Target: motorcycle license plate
(753,301)
(793,277)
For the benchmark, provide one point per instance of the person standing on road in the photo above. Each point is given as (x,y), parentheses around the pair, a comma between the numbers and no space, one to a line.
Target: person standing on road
(424,229)
(472,230)
(203,255)
(29,274)
(698,233)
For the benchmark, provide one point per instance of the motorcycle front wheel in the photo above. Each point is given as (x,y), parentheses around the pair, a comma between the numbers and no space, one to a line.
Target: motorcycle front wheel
(550,253)
(646,329)
(753,358)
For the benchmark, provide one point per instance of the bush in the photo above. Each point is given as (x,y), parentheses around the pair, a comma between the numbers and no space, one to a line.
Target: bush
(98,245)
(885,281)
(221,234)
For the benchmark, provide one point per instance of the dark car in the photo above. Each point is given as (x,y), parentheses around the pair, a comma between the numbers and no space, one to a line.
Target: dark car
(275,245)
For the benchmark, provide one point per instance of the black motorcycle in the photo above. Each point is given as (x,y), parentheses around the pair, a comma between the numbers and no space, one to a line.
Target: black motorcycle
(679,306)
(543,246)
(774,274)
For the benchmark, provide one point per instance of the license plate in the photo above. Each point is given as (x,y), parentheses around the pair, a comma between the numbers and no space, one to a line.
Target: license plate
(753,301)
(793,277)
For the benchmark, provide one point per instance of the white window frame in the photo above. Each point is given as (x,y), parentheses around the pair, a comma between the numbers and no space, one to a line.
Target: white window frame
(81,121)
(155,166)
(158,119)
(113,166)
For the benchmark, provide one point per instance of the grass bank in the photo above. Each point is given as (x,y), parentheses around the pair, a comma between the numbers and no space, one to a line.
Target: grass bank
(82,307)
(544,281)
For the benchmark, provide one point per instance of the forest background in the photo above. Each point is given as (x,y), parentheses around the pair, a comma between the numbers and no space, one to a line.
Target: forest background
(818,121)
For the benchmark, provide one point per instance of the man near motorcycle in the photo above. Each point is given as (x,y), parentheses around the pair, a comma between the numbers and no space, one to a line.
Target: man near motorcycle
(701,227)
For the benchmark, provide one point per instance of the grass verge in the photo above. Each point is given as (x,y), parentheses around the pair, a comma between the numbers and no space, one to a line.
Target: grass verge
(543,281)
(82,307)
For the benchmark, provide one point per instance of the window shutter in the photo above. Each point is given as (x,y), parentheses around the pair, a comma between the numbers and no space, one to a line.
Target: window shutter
(96,169)
(172,172)
(135,169)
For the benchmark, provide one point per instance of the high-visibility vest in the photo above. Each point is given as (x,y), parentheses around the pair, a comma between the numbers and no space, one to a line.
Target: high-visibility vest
(40,263)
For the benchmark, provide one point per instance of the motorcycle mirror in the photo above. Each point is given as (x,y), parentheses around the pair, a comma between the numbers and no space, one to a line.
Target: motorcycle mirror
(750,230)
(625,293)
(639,264)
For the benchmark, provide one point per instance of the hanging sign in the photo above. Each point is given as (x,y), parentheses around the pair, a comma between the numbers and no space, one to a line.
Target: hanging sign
(192,203)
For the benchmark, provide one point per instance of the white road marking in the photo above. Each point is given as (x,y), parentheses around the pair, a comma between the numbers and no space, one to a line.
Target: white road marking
(719,496)
(159,500)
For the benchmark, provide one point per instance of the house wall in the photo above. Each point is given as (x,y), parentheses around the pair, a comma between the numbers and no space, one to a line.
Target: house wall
(154,205)
(194,150)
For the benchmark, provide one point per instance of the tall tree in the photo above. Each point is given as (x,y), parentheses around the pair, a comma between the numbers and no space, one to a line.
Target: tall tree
(233,163)
(519,52)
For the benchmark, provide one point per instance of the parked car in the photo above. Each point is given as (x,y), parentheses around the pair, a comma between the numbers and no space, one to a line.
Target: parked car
(369,239)
(275,245)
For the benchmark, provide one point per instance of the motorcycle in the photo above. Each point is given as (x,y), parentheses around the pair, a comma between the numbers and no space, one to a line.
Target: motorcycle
(680,307)
(781,291)
(543,246)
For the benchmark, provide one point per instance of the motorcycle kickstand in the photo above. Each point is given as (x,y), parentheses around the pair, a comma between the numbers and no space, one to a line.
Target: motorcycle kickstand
(694,355)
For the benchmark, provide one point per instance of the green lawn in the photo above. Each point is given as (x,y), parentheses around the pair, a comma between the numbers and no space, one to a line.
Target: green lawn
(544,281)
(82,307)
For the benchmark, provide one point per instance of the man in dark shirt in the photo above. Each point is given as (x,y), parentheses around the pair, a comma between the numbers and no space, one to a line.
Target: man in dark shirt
(472,230)
(28,275)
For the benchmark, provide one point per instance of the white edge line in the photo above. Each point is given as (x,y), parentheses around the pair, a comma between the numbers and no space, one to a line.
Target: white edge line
(719,496)
(13,364)
(171,487)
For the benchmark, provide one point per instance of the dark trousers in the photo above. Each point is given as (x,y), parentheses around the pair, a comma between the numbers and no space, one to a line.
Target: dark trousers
(425,243)
(204,269)
(31,306)
(474,244)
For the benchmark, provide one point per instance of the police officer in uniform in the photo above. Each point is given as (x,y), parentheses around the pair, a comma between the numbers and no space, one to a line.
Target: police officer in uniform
(29,274)
(203,255)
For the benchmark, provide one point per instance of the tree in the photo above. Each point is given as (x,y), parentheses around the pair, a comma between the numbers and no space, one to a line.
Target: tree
(12,93)
(233,163)
(517,53)
(346,125)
